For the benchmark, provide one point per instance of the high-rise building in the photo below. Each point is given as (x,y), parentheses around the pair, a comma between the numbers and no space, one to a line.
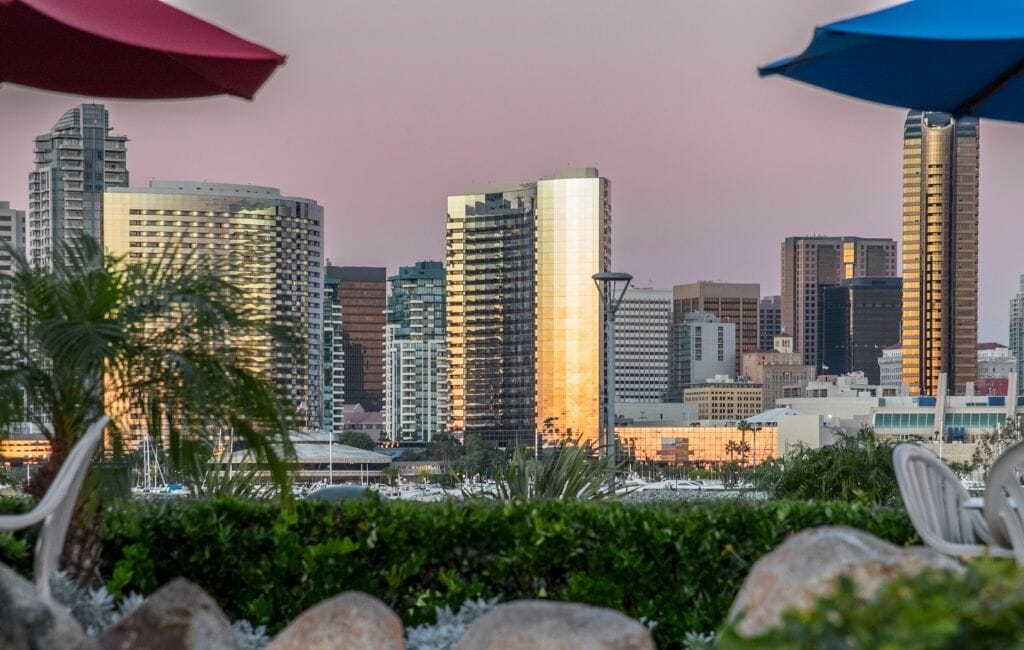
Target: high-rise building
(1017,333)
(574,241)
(415,357)
(267,244)
(75,162)
(362,291)
(524,317)
(641,345)
(702,347)
(490,313)
(859,319)
(890,367)
(12,233)
(776,371)
(940,251)
(731,302)
(769,319)
(809,264)
(333,354)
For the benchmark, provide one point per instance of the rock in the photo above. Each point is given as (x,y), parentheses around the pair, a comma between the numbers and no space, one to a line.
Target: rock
(549,625)
(177,616)
(351,620)
(27,622)
(808,564)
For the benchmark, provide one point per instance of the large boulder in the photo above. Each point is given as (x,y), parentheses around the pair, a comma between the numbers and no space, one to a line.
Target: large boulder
(178,616)
(549,625)
(808,565)
(27,623)
(351,620)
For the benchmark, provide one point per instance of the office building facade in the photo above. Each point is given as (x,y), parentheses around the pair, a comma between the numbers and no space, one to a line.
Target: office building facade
(415,355)
(940,251)
(362,291)
(809,265)
(267,244)
(75,162)
(731,302)
(859,319)
(641,345)
(769,319)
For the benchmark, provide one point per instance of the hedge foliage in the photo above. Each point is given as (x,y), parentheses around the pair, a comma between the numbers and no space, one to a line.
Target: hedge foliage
(677,564)
(983,609)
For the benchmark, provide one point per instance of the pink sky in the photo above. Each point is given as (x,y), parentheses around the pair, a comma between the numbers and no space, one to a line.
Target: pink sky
(384,108)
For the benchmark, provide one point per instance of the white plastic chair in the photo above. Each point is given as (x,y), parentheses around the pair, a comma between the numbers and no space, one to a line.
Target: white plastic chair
(934,498)
(56,507)
(1004,499)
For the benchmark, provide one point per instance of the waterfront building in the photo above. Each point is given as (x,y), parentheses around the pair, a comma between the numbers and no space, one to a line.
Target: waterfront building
(415,357)
(809,265)
(267,244)
(642,345)
(940,251)
(75,162)
(859,319)
(524,321)
(731,302)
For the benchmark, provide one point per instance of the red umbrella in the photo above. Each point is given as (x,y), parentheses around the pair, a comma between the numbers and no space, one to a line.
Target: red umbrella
(141,49)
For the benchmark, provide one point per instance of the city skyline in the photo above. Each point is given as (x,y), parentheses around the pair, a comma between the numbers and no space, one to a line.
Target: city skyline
(663,129)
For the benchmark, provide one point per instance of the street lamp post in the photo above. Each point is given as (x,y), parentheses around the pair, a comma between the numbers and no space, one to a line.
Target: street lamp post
(608,286)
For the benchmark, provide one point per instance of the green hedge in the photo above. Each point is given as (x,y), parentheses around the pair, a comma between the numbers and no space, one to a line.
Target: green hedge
(16,549)
(981,609)
(677,564)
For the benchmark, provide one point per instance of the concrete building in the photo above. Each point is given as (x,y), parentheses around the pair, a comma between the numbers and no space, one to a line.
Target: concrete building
(769,318)
(333,353)
(731,302)
(415,356)
(75,162)
(524,318)
(940,251)
(319,458)
(642,326)
(701,348)
(359,419)
(1017,328)
(267,244)
(655,413)
(809,264)
(12,232)
(890,367)
(724,399)
(775,372)
(362,292)
(995,363)
(859,319)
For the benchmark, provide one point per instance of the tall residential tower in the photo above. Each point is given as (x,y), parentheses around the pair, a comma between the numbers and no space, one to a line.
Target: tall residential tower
(940,251)
(415,358)
(362,293)
(76,161)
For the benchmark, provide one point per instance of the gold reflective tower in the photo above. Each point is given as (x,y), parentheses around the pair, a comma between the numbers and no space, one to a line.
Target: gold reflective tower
(940,251)
(523,316)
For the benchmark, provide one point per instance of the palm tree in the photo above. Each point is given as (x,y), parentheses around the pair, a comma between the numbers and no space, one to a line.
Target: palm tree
(145,342)
(743,426)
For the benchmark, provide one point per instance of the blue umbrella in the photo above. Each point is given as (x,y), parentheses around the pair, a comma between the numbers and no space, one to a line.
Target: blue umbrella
(962,57)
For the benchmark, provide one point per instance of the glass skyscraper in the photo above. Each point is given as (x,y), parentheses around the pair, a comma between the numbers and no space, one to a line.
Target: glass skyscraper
(1017,333)
(940,251)
(75,162)
(267,244)
(362,294)
(524,316)
(415,358)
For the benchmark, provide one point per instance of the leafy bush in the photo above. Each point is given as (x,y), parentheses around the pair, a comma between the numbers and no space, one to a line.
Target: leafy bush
(855,468)
(984,608)
(678,564)
(16,549)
